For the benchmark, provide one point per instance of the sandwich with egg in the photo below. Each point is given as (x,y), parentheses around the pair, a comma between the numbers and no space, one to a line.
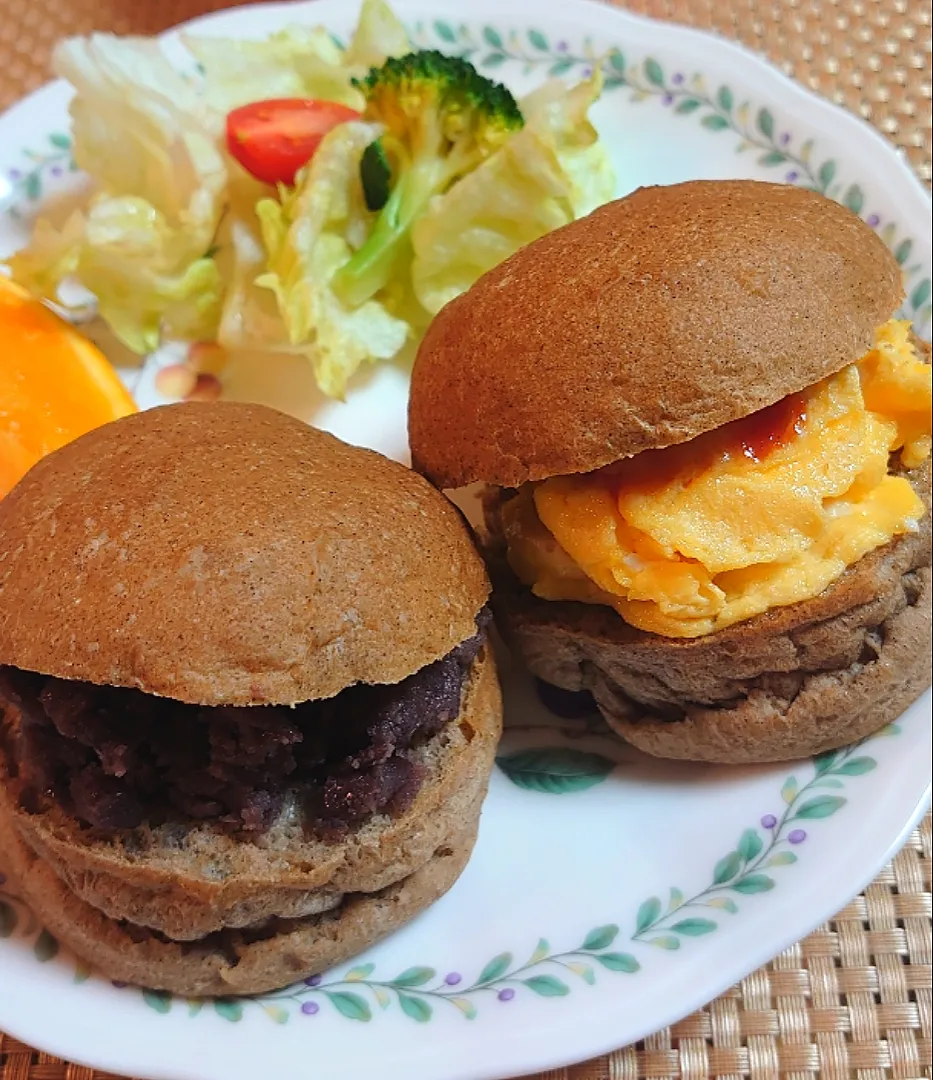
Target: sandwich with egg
(705,440)
(247,708)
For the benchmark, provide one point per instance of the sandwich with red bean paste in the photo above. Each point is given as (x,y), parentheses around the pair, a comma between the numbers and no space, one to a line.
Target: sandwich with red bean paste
(248,710)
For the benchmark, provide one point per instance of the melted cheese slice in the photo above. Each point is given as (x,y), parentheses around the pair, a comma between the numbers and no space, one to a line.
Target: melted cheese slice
(689,540)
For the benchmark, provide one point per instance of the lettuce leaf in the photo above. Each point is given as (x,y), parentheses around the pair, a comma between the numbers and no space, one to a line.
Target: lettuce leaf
(582,156)
(299,61)
(250,316)
(50,256)
(378,35)
(142,245)
(305,235)
(141,129)
(543,177)
(145,275)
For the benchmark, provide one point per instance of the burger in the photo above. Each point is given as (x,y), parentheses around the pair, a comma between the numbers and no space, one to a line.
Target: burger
(248,711)
(704,437)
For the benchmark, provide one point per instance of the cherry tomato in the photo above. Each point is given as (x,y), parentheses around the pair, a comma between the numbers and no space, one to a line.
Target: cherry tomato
(273,139)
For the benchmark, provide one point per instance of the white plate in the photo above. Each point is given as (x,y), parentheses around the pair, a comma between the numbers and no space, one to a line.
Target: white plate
(609,895)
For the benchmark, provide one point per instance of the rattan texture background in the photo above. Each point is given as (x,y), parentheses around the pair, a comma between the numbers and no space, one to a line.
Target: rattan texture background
(853,1000)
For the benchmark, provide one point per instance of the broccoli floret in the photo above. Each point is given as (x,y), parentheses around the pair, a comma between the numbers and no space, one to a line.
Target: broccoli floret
(442,119)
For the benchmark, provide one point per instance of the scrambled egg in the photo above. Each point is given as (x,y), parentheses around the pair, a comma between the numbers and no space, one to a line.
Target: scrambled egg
(761,513)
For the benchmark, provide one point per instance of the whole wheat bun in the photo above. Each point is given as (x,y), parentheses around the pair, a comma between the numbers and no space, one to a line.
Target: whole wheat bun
(656,318)
(236,963)
(792,682)
(188,880)
(227,554)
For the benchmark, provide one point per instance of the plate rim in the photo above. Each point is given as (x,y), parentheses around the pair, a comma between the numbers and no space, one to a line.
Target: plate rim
(121,1063)
(770,77)
(523,9)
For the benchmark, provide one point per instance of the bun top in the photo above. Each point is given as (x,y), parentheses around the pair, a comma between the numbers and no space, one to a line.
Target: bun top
(658,317)
(227,554)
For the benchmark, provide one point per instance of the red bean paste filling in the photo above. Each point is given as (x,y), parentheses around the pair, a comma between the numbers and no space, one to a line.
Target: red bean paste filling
(116,758)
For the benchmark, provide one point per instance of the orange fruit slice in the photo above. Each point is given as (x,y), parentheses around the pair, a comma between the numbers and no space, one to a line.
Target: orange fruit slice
(54,384)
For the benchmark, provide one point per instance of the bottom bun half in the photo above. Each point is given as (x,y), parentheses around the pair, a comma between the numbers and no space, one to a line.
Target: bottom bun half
(210,880)
(230,962)
(788,684)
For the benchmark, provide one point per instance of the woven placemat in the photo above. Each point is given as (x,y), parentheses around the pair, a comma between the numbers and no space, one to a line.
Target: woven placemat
(850,1002)
(853,1000)
(872,56)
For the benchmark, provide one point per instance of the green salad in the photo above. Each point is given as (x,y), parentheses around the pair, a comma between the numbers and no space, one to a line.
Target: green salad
(296,195)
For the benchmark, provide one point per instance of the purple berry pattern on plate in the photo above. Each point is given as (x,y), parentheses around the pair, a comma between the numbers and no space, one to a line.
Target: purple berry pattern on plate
(777,840)
(690,96)
(359,994)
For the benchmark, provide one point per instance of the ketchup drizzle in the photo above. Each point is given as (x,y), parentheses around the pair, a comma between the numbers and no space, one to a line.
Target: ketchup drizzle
(769,428)
(753,437)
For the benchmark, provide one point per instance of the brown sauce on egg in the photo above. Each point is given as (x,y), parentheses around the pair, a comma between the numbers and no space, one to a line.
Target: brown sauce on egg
(764,431)
(753,437)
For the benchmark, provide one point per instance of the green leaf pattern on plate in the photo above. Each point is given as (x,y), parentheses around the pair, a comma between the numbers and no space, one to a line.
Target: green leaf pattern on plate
(415,1007)
(419,991)
(601,938)
(727,867)
(765,847)
(648,913)
(29,181)
(749,845)
(357,974)
(555,770)
(820,807)
(495,969)
(547,986)
(716,109)
(694,927)
(415,976)
(230,1009)
(739,873)
(159,1000)
(754,883)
